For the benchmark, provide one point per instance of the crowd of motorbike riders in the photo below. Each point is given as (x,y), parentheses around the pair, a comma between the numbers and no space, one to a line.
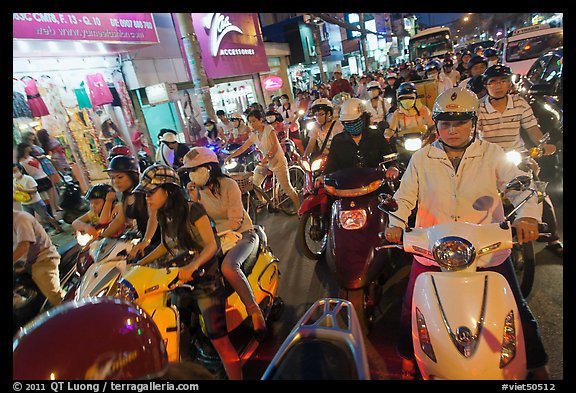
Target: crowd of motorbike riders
(183,201)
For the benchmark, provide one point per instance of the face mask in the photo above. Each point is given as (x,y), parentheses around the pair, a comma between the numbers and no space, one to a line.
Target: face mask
(209,127)
(421,73)
(374,93)
(200,176)
(270,119)
(407,103)
(354,128)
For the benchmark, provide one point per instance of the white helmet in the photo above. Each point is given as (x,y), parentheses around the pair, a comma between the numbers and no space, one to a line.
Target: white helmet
(457,103)
(391,75)
(236,115)
(373,84)
(322,103)
(352,109)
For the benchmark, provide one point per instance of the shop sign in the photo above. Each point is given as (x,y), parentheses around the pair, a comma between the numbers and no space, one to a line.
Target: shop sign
(231,43)
(272,83)
(135,28)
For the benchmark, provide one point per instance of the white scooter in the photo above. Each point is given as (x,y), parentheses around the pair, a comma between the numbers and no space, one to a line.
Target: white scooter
(101,264)
(465,323)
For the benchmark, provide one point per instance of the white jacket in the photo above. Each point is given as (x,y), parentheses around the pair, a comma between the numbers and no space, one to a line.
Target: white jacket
(443,195)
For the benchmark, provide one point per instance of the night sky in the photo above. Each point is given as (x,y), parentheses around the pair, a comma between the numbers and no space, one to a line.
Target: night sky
(435,19)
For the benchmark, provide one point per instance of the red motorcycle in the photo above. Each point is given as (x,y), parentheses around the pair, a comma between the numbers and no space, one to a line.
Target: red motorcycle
(314,211)
(362,268)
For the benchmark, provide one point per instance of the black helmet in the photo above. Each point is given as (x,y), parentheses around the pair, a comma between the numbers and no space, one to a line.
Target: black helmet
(406,89)
(489,52)
(496,70)
(448,62)
(476,83)
(466,52)
(274,113)
(123,164)
(477,59)
(98,191)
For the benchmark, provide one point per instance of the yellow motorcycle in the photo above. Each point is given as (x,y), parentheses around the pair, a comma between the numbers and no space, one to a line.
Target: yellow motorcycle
(151,289)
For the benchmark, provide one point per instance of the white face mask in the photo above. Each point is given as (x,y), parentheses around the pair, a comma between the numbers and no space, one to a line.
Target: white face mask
(270,119)
(374,93)
(200,176)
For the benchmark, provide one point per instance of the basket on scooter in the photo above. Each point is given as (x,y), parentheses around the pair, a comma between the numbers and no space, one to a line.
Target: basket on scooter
(244,180)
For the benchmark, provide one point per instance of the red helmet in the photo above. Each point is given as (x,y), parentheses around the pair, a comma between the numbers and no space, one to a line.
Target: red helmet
(93,338)
(119,150)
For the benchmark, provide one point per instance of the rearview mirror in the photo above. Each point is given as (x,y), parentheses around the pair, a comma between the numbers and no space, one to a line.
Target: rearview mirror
(520,183)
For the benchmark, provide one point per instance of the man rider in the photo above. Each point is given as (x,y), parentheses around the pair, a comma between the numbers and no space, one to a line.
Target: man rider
(323,111)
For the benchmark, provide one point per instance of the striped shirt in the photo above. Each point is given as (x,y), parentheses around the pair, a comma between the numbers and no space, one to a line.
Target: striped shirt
(504,128)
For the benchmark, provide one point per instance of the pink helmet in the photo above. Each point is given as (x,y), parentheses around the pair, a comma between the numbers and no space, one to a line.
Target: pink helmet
(119,150)
(89,339)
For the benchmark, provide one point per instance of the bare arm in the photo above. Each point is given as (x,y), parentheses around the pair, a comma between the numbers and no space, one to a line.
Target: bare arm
(207,253)
(116,225)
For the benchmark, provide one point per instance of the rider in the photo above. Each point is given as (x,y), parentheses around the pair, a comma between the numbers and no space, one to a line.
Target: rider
(502,116)
(103,208)
(323,111)
(411,113)
(124,172)
(276,120)
(476,84)
(448,71)
(430,181)
(476,66)
(433,68)
(239,133)
(491,55)
(264,137)
(221,197)
(186,227)
(359,145)
(378,107)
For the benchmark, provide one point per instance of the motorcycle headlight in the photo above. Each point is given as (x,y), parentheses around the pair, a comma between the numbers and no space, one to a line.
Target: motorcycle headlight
(514,156)
(453,253)
(310,125)
(83,238)
(508,340)
(353,219)
(306,165)
(126,291)
(412,144)
(316,164)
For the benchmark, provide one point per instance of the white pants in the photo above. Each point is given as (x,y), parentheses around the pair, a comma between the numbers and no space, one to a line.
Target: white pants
(47,277)
(282,176)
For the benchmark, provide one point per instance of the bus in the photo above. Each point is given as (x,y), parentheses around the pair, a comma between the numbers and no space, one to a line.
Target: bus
(432,42)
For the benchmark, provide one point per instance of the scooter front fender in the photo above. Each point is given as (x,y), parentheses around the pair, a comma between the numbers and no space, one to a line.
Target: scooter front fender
(313,200)
(466,310)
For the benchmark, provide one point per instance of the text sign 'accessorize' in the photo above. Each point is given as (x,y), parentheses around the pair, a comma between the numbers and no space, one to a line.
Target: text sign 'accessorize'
(137,28)
(231,43)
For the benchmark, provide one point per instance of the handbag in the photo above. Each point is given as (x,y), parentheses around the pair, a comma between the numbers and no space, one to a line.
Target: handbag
(20,196)
(228,239)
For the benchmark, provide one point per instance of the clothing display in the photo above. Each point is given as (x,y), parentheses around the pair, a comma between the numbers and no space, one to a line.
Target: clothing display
(20,107)
(35,101)
(125,98)
(82,97)
(99,92)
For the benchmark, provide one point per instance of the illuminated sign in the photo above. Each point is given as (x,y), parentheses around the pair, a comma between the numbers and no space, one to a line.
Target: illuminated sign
(272,83)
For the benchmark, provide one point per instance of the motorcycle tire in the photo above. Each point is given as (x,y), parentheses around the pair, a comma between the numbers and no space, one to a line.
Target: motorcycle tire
(358,299)
(524,262)
(302,239)
(26,311)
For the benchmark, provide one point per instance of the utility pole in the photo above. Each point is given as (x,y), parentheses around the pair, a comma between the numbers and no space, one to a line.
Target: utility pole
(194,58)
(363,42)
(313,23)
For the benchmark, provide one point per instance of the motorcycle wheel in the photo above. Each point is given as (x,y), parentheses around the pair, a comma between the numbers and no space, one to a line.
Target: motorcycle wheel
(524,261)
(312,249)
(30,304)
(365,316)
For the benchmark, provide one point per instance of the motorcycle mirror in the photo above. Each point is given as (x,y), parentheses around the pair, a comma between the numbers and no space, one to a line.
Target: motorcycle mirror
(520,183)
(388,202)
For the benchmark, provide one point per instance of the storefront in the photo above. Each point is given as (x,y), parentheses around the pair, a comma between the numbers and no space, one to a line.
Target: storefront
(72,86)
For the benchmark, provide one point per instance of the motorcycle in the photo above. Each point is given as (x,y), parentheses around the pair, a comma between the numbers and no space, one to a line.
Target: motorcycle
(151,289)
(314,211)
(362,272)
(71,199)
(325,344)
(524,255)
(465,323)
(101,264)
(409,140)
(28,301)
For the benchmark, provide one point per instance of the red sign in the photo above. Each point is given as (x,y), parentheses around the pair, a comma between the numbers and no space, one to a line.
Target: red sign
(116,28)
(272,83)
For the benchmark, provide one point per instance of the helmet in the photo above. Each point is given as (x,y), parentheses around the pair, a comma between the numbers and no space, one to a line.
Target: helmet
(419,67)
(236,116)
(351,109)
(129,345)
(391,75)
(496,70)
(322,104)
(123,164)
(406,89)
(490,52)
(457,103)
(373,85)
(197,156)
(476,83)
(155,176)
(119,150)
(477,59)
(466,52)
(433,65)
(448,62)
(98,191)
